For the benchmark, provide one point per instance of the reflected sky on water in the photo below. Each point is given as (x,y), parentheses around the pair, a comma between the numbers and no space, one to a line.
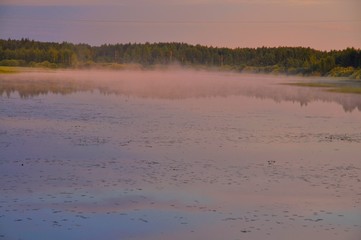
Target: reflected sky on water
(206,156)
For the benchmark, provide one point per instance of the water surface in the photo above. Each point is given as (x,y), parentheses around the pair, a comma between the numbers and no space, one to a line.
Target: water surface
(176,155)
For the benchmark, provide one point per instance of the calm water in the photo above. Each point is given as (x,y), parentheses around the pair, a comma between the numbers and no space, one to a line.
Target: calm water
(176,155)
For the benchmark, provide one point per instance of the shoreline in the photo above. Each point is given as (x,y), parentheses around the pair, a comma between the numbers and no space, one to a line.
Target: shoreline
(328,83)
(136,66)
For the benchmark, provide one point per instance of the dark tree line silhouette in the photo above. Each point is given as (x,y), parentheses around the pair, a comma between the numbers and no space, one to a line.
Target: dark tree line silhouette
(290,60)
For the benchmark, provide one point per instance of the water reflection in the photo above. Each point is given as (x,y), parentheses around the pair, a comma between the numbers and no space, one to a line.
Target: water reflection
(209,166)
(175,84)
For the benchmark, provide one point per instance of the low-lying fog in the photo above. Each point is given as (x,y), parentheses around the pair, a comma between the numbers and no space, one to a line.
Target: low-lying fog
(172,83)
(166,83)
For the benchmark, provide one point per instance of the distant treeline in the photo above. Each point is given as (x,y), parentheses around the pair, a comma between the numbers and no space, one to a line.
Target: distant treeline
(289,60)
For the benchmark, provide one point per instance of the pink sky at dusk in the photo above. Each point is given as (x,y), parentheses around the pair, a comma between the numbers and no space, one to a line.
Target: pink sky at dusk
(320,24)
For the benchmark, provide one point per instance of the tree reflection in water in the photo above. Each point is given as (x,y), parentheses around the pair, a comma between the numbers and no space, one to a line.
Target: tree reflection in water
(171,84)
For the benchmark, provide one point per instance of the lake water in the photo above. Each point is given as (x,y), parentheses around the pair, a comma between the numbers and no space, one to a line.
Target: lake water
(176,154)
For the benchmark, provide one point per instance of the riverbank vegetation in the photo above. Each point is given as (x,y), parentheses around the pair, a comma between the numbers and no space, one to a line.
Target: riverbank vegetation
(5,70)
(285,60)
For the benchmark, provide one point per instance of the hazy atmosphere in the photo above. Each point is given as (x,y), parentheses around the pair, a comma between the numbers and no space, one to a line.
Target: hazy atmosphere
(180,119)
(319,24)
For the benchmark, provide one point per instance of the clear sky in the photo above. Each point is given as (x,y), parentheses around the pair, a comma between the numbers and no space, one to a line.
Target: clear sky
(320,24)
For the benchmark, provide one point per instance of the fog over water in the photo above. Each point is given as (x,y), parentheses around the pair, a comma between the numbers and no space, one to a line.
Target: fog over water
(170,83)
(177,154)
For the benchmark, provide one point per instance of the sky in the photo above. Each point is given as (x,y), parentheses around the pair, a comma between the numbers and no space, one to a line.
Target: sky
(319,24)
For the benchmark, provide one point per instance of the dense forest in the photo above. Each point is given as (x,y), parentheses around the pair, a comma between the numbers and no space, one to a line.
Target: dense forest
(289,60)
